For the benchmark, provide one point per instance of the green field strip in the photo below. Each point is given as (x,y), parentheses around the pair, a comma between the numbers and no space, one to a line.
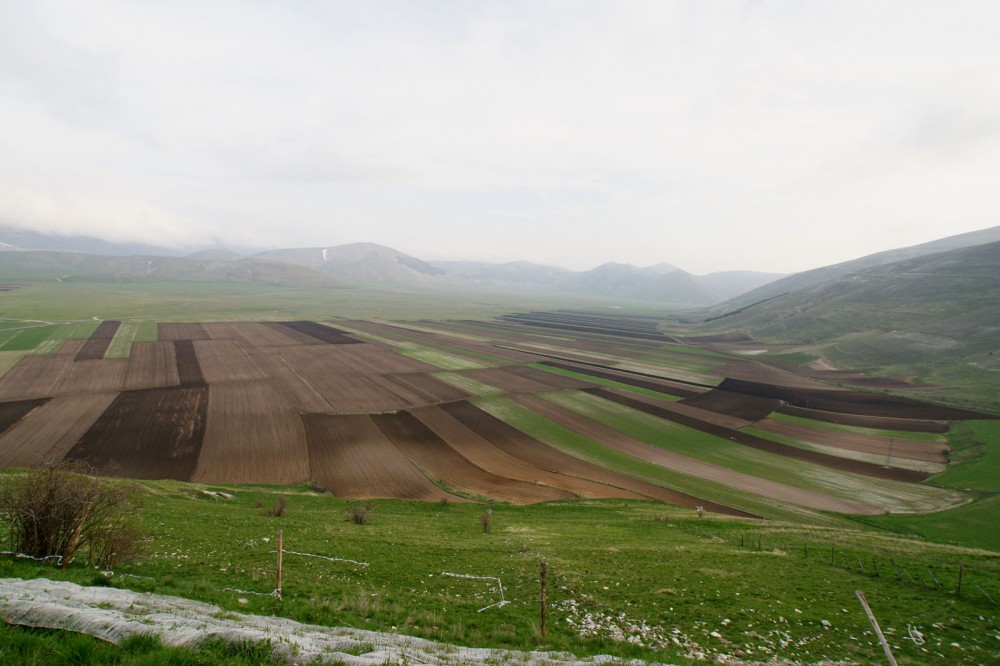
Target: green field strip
(575,444)
(67,331)
(860,430)
(29,338)
(973,524)
(638,390)
(429,353)
(5,336)
(468,384)
(148,331)
(443,360)
(904,463)
(893,496)
(660,371)
(121,344)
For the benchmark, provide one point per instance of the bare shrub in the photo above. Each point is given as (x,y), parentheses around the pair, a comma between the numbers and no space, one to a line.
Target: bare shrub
(486,520)
(359,514)
(279,508)
(317,487)
(61,510)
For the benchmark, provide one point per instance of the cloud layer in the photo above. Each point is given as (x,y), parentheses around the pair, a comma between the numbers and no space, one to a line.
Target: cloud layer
(724,135)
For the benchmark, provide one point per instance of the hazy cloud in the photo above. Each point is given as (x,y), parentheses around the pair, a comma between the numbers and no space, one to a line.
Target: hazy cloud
(758,135)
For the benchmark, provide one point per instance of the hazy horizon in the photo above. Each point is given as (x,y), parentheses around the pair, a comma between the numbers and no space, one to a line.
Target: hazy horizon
(765,136)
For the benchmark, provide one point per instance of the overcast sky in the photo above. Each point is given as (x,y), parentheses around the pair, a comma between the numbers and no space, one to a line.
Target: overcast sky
(774,136)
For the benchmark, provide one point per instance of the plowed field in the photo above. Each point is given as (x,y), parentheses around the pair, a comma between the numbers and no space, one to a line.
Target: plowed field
(151,365)
(47,433)
(35,377)
(102,376)
(351,457)
(253,436)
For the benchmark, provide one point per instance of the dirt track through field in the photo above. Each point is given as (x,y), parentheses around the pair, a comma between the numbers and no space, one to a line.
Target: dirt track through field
(679,463)
(48,432)
(351,457)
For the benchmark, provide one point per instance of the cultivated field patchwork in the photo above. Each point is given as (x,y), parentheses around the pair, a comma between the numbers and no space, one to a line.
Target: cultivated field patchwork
(531,409)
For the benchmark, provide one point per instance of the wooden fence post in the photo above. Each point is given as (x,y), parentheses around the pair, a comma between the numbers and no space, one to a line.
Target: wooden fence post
(878,630)
(961,570)
(281,547)
(543,576)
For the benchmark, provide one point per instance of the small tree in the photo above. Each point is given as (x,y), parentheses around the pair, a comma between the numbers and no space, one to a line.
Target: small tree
(60,510)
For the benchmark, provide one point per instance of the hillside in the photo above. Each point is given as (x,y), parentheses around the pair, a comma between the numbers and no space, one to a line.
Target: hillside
(933,318)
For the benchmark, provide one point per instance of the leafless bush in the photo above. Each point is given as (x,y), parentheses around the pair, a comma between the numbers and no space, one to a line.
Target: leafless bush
(317,487)
(359,514)
(279,508)
(486,520)
(61,510)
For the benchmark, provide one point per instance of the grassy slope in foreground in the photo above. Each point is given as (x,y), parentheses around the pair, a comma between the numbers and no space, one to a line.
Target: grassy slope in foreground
(639,568)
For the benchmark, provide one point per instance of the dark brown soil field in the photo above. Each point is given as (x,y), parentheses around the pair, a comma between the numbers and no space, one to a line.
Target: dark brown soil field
(48,432)
(833,462)
(12,412)
(741,405)
(327,334)
(151,365)
(853,402)
(188,368)
(431,453)
(99,341)
(351,457)
(147,434)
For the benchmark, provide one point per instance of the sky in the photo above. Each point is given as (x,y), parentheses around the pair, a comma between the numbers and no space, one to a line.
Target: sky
(760,135)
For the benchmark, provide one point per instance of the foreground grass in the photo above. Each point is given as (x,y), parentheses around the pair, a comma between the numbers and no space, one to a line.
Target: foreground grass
(630,579)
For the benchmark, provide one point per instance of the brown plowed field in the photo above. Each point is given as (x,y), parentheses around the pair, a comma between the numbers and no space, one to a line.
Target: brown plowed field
(252,334)
(852,402)
(431,453)
(289,333)
(351,457)
(684,410)
(484,454)
(515,443)
(912,425)
(188,368)
(296,389)
(330,372)
(151,365)
(225,361)
(506,381)
(912,449)
(554,381)
(423,389)
(327,334)
(756,371)
(101,376)
(667,411)
(35,377)
(12,412)
(72,347)
(47,433)
(173,332)
(740,405)
(147,434)
(253,435)
(680,463)
(99,341)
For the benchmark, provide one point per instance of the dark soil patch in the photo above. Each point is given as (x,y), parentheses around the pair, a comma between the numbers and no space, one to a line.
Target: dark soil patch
(147,434)
(911,425)
(12,412)
(99,341)
(741,405)
(327,334)
(188,368)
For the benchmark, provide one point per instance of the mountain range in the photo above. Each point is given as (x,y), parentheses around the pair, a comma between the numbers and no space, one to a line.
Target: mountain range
(35,255)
